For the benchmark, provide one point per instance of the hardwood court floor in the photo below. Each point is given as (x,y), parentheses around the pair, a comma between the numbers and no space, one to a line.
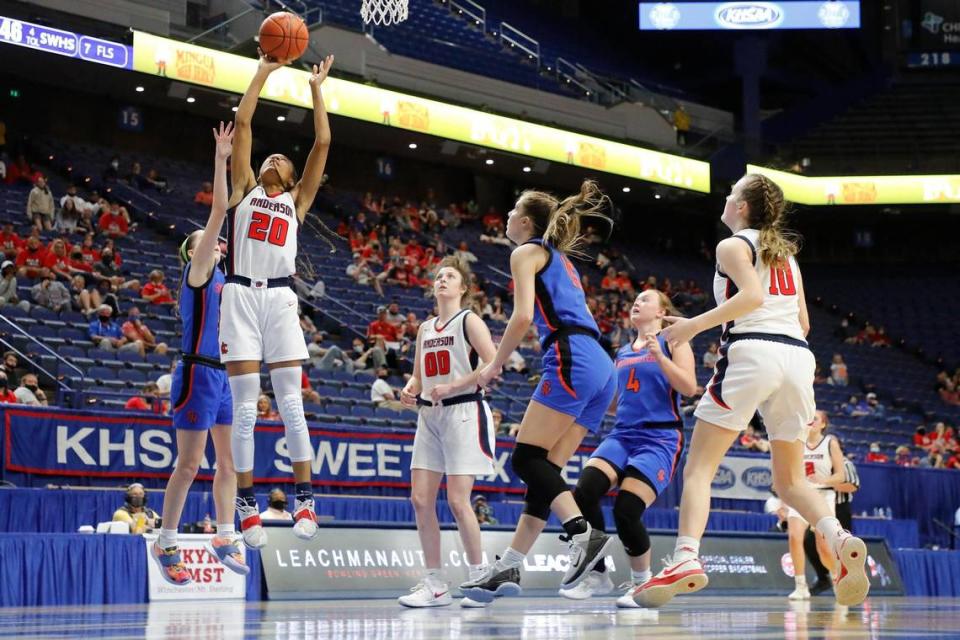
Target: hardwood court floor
(526,618)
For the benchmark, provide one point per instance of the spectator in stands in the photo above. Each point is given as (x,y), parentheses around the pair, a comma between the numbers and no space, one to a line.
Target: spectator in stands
(85,299)
(135,330)
(155,180)
(881,339)
(933,460)
(902,456)
(155,291)
(753,441)
(265,409)
(205,195)
(57,261)
(382,328)
(107,334)
(943,436)
(67,218)
(113,223)
(327,358)
(464,254)
(79,204)
(866,335)
(394,316)
(148,400)
(483,511)
(681,123)
(953,461)
(839,376)
(818,377)
(497,311)
(8,287)
(874,454)
(382,394)
(40,205)
(276,506)
(51,294)
(306,389)
(921,439)
(7,396)
(165,381)
(844,332)
(946,388)
(363,275)
(30,259)
(112,172)
(366,358)
(29,391)
(874,407)
(306,325)
(10,242)
(10,368)
(855,408)
(107,269)
(711,356)
(135,511)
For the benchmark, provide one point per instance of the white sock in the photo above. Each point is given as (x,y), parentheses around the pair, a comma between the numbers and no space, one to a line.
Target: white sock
(640,576)
(167,538)
(434,575)
(476,570)
(830,528)
(511,558)
(686,548)
(800,580)
(225,528)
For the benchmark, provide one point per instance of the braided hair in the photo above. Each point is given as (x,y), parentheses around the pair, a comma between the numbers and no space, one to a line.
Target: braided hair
(768,215)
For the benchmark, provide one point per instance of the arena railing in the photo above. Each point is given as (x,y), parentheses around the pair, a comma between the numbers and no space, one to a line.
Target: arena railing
(472,10)
(66,395)
(514,38)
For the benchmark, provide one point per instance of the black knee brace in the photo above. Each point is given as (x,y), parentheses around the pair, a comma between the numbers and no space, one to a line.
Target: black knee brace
(543,479)
(592,486)
(628,514)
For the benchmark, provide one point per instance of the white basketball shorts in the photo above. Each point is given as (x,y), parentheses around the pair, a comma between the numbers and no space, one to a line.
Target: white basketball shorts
(258,323)
(455,440)
(829,497)
(774,377)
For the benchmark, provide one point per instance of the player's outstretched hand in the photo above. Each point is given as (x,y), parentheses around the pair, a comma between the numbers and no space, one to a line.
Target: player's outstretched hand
(224,139)
(320,71)
(680,330)
(269,64)
(488,374)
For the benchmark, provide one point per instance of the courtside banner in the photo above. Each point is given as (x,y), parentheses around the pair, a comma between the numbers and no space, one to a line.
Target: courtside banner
(344,562)
(743,479)
(864,190)
(211,580)
(115,445)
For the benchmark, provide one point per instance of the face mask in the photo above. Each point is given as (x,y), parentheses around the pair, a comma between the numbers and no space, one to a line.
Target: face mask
(358,348)
(135,501)
(875,449)
(279,505)
(31,387)
(3,383)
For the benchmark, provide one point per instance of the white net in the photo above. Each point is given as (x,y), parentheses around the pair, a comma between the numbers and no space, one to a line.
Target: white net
(385,12)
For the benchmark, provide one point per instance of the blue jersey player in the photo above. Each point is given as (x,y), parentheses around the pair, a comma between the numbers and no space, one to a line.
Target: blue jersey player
(576,384)
(641,453)
(199,391)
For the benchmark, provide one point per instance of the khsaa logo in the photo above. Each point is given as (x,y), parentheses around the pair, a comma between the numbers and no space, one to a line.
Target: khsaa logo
(724,479)
(665,15)
(749,15)
(833,15)
(757,478)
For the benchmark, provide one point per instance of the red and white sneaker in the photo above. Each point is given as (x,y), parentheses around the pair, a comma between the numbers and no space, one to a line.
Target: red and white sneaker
(685,576)
(305,519)
(851,584)
(250,526)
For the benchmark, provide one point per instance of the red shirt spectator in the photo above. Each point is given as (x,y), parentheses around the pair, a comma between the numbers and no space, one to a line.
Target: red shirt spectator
(10,242)
(623,282)
(380,327)
(205,195)
(56,262)
(492,219)
(922,440)
(414,250)
(155,291)
(7,396)
(31,258)
(875,456)
(953,462)
(78,263)
(113,224)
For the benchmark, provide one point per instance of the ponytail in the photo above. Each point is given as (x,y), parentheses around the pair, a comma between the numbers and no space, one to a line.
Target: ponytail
(768,216)
(558,221)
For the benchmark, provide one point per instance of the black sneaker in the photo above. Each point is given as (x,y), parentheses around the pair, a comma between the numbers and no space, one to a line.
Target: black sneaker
(821,585)
(586,550)
(494,583)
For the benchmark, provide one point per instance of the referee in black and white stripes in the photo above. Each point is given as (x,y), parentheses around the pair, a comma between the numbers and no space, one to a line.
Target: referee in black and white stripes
(845,491)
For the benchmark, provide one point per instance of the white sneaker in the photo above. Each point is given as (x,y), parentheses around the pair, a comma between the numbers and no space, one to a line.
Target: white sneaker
(305,525)
(679,576)
(427,594)
(470,603)
(626,601)
(595,584)
(254,535)
(851,585)
(801,592)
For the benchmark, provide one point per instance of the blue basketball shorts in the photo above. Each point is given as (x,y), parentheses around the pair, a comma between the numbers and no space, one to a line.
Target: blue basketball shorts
(653,453)
(201,397)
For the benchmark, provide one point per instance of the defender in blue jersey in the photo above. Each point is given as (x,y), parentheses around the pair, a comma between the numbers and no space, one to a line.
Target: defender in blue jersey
(641,453)
(576,384)
(200,392)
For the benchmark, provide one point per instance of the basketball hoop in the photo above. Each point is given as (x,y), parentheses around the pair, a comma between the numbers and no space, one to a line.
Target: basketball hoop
(383,12)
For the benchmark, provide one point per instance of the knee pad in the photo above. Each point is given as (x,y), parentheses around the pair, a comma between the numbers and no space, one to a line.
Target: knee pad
(590,489)
(244,391)
(534,504)
(628,514)
(286,388)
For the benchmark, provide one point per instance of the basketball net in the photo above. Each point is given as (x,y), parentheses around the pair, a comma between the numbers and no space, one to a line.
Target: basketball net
(383,12)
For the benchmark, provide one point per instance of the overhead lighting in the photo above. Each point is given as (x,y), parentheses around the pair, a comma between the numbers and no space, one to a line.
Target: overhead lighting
(281,118)
(412,145)
(139,89)
(657,196)
(234,109)
(626,189)
(489,160)
(527,169)
(191,99)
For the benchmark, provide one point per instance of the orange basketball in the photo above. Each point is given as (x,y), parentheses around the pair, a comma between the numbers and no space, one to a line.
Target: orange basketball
(283,36)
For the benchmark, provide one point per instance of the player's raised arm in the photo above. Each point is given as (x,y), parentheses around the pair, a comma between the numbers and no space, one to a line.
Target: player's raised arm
(204,253)
(306,189)
(243,178)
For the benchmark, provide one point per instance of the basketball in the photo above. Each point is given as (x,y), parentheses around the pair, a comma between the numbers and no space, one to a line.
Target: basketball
(283,36)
